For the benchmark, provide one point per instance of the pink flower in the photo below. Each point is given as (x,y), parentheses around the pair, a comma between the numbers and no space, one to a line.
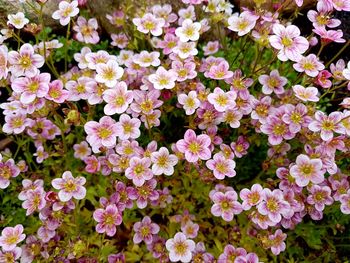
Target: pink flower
(288,41)
(163,79)
(190,229)
(184,70)
(231,253)
(81,150)
(69,187)
(163,162)
(11,256)
(8,169)
(273,205)
(277,130)
(35,201)
(327,124)
(323,79)
(86,30)
(11,236)
(107,218)
(243,23)
(219,71)
(222,100)
(277,244)
(139,171)
(180,248)
(120,40)
(211,48)
(307,170)
(320,196)
(117,98)
(149,23)
(108,73)
(221,166)
(17,20)
(169,43)
(25,62)
(185,49)
(145,231)
(225,205)
(190,102)
(102,133)
(345,203)
(194,147)
(306,94)
(128,128)
(251,197)
(330,35)
(310,65)
(322,18)
(189,30)
(240,147)
(31,88)
(145,193)
(273,83)
(296,116)
(15,123)
(65,11)
(56,92)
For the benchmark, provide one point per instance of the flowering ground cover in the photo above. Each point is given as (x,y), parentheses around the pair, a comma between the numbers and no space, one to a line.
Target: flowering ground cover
(205,133)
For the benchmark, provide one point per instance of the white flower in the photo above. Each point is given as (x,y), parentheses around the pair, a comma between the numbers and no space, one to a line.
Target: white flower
(346,72)
(163,79)
(17,20)
(109,73)
(188,31)
(185,49)
(190,102)
(163,162)
(66,11)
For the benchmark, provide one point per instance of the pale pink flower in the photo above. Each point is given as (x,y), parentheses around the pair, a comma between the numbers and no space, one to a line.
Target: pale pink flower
(117,18)
(40,154)
(86,30)
(128,127)
(222,100)
(32,88)
(296,116)
(149,23)
(211,48)
(310,65)
(194,147)
(288,41)
(8,169)
(273,82)
(81,57)
(3,62)
(232,117)
(146,102)
(17,20)
(100,57)
(225,205)
(346,71)
(25,62)
(145,231)
(186,70)
(341,5)
(299,3)
(165,12)
(69,187)
(12,255)
(221,166)
(190,229)
(219,71)
(15,123)
(163,162)
(190,102)
(230,254)
(139,171)
(120,40)
(327,124)
(319,197)
(243,23)
(118,99)
(277,130)
(185,49)
(277,242)
(163,79)
(273,205)
(322,19)
(251,197)
(80,89)
(306,94)
(345,203)
(146,59)
(11,236)
(81,150)
(189,30)
(169,43)
(102,133)
(107,218)
(180,248)
(35,201)
(56,92)
(65,11)
(307,170)
(109,73)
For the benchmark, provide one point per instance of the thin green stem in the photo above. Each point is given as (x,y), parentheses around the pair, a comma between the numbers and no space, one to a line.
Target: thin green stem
(66,48)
